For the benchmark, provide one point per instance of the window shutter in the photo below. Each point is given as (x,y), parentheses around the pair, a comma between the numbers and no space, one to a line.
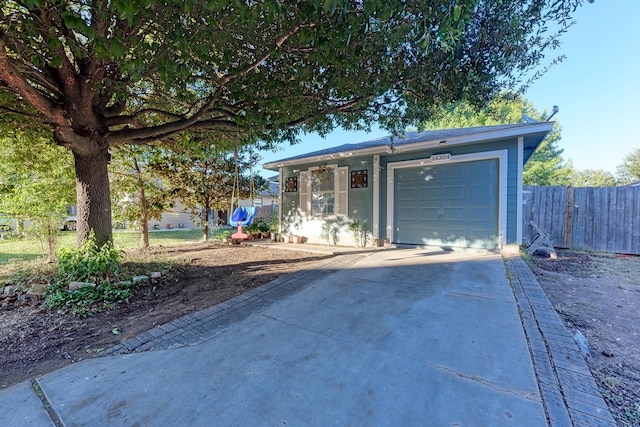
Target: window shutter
(303,189)
(342,191)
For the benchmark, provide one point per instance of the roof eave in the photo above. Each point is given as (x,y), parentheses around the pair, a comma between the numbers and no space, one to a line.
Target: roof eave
(542,127)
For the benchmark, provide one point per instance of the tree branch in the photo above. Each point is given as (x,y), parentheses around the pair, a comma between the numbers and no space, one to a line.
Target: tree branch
(11,77)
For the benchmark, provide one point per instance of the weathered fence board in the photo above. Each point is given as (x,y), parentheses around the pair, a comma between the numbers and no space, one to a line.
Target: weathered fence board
(603,219)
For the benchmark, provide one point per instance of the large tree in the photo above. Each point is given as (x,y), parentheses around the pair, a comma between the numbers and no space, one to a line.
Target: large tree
(103,73)
(545,167)
(629,170)
(593,178)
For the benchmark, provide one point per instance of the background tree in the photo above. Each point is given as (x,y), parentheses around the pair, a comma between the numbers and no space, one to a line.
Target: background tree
(203,178)
(36,181)
(545,167)
(629,170)
(137,192)
(104,73)
(593,178)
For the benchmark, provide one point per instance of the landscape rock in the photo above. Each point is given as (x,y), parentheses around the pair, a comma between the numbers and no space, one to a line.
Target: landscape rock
(125,283)
(141,278)
(73,286)
(156,275)
(38,289)
(10,289)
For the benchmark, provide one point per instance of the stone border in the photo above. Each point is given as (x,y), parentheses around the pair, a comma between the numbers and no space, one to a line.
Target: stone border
(195,328)
(569,393)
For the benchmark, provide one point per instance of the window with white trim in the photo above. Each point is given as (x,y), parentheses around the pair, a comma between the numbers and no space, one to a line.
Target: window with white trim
(323,191)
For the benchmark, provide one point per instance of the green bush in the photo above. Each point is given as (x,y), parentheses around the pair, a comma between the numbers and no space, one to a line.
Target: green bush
(88,262)
(222,234)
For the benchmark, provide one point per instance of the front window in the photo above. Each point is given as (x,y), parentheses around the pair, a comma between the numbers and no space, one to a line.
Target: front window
(323,191)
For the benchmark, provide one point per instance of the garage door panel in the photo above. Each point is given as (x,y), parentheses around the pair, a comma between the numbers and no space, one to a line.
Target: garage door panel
(430,193)
(454,214)
(481,192)
(429,214)
(405,194)
(407,214)
(480,214)
(453,192)
(481,169)
(457,205)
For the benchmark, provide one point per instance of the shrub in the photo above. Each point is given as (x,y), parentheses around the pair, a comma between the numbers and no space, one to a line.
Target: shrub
(88,262)
(87,300)
(222,234)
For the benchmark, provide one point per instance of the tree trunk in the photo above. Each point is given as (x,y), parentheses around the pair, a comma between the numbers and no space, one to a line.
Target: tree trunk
(144,217)
(52,240)
(205,231)
(205,226)
(93,198)
(144,220)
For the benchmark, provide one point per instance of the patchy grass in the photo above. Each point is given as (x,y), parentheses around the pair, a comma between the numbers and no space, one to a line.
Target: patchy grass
(14,249)
(23,258)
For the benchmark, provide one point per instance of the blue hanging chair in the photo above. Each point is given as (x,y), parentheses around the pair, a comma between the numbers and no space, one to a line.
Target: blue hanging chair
(243,216)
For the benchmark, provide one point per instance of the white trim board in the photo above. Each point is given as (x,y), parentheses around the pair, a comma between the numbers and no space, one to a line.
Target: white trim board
(519,199)
(501,155)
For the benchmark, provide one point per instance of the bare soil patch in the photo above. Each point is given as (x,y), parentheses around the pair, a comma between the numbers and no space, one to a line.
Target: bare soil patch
(34,340)
(599,295)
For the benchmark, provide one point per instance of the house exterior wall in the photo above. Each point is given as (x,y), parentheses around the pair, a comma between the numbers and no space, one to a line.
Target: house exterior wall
(360,205)
(361,200)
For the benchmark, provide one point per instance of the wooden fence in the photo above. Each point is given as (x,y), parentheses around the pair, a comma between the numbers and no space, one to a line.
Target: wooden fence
(601,219)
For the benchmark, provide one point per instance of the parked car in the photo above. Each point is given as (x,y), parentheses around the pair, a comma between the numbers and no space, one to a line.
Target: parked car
(69,224)
(6,224)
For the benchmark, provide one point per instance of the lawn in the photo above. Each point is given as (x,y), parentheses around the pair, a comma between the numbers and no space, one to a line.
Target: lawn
(29,249)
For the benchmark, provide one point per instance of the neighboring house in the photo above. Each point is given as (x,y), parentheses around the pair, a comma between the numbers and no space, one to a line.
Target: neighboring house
(178,217)
(451,188)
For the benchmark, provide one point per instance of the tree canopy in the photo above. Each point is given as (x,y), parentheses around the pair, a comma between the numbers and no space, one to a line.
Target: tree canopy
(105,73)
(593,178)
(545,167)
(36,180)
(204,178)
(629,169)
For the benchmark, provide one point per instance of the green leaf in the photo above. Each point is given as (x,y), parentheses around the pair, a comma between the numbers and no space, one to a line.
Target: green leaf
(53,42)
(330,6)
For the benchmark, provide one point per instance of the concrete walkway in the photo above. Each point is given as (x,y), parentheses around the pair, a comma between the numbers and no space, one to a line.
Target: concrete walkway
(395,337)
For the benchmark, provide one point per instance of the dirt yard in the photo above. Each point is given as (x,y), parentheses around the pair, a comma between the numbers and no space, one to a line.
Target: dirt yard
(599,294)
(34,341)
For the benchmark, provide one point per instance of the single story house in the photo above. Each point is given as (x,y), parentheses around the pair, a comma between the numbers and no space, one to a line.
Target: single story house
(449,188)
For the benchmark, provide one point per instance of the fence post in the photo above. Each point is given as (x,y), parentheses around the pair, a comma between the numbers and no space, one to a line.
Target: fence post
(568,219)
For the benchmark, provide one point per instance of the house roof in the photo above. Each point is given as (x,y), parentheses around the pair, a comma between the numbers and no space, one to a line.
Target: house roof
(533,134)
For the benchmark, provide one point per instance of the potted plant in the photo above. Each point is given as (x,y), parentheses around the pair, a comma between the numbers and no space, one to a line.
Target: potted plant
(274,226)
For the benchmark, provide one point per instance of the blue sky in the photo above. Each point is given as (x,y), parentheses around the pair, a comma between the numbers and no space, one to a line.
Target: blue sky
(597,88)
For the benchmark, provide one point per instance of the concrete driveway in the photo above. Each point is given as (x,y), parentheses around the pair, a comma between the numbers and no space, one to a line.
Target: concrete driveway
(398,338)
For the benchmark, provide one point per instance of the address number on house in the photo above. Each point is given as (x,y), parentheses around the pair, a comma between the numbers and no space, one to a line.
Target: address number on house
(440,157)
